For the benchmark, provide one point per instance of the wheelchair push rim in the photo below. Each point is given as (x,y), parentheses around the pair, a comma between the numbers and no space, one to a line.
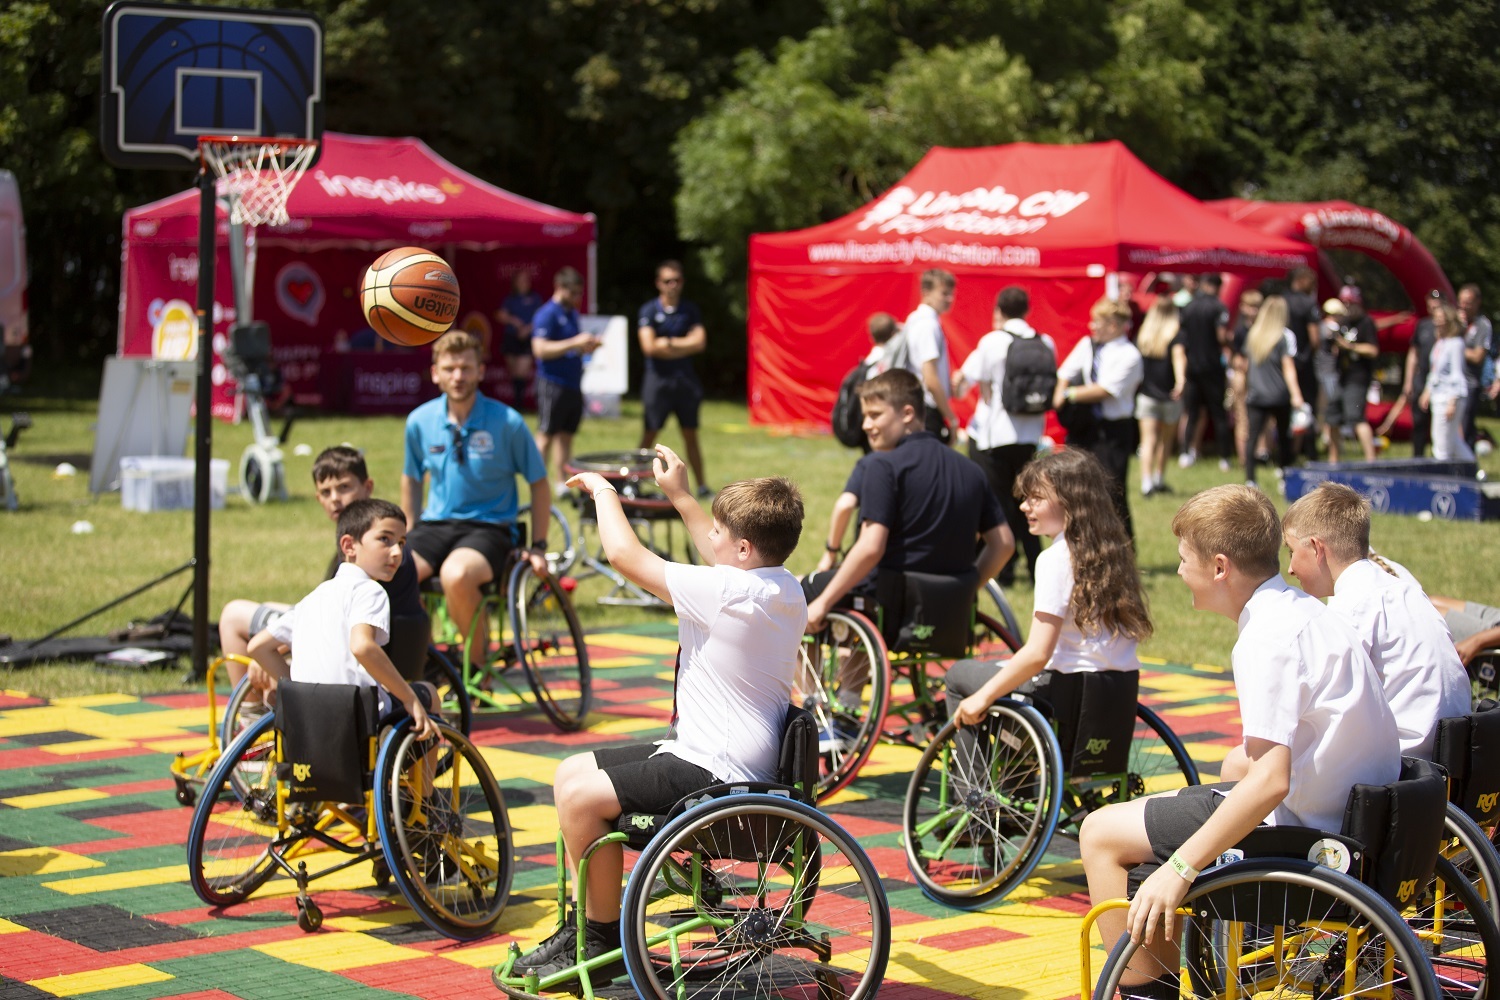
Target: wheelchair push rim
(550,645)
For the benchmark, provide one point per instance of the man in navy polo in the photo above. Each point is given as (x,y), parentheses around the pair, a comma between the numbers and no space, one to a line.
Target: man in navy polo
(468,448)
(560,348)
(922,504)
(671,331)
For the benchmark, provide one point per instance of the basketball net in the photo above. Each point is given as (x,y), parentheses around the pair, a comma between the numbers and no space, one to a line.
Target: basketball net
(256,175)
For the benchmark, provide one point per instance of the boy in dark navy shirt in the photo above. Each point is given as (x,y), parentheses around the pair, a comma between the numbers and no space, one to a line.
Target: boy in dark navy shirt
(560,347)
(670,330)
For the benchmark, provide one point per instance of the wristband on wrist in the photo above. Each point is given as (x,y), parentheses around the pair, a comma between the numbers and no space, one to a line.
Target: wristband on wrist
(539,545)
(606,489)
(832,548)
(1181,867)
(1067,395)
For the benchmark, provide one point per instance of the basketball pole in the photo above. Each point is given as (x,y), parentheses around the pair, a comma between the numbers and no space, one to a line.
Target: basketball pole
(204,424)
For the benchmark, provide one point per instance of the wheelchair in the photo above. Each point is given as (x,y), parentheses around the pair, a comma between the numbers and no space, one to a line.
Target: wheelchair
(1484,678)
(324,785)
(408,644)
(912,626)
(533,631)
(984,802)
(741,889)
(1293,911)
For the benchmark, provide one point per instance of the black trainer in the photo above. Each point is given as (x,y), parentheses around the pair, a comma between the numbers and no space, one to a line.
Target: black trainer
(599,939)
(563,944)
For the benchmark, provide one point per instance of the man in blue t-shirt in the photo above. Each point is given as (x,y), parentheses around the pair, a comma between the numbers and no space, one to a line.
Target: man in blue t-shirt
(560,348)
(469,449)
(515,316)
(671,332)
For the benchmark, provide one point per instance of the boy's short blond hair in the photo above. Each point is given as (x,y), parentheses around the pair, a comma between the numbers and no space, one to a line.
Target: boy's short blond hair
(896,388)
(767,513)
(1335,513)
(1239,522)
(457,342)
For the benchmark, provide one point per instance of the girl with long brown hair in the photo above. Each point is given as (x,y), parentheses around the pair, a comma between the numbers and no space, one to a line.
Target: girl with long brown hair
(1089,609)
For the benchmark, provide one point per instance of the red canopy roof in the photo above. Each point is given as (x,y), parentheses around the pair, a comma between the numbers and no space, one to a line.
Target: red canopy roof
(1034,210)
(373,190)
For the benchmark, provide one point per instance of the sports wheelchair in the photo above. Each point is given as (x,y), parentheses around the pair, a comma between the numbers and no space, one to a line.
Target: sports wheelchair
(1293,911)
(323,785)
(985,801)
(741,889)
(408,644)
(533,630)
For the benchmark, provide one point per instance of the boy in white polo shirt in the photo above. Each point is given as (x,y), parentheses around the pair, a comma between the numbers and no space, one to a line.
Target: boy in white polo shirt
(336,631)
(1314,718)
(1328,533)
(740,625)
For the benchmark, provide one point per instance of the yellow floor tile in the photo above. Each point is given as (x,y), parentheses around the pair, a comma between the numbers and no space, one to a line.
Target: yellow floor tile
(610,662)
(119,880)
(338,951)
(649,645)
(508,763)
(77,747)
(63,797)
(6,927)
(101,979)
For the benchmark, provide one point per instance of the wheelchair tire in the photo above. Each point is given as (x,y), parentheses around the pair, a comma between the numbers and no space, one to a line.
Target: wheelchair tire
(847,648)
(1284,927)
(763,916)
(446,841)
(993,604)
(1453,922)
(562,546)
(1158,760)
(550,646)
(232,829)
(968,847)
(452,697)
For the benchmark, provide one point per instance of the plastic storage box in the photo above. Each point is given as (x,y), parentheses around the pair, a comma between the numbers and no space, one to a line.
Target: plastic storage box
(157,483)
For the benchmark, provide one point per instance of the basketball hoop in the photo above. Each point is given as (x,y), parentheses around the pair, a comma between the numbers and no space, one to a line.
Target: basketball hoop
(256,174)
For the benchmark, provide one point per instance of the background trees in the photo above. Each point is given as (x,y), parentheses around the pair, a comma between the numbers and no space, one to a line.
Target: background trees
(687,125)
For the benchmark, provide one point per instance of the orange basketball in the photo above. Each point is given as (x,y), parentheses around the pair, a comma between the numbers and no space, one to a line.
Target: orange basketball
(410,296)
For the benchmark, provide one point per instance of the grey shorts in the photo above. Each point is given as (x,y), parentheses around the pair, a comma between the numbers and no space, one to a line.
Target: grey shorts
(264,616)
(1473,619)
(1172,819)
(1346,406)
(1150,408)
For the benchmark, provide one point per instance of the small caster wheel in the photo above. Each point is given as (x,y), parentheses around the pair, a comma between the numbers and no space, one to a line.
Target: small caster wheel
(382,873)
(185,794)
(309,917)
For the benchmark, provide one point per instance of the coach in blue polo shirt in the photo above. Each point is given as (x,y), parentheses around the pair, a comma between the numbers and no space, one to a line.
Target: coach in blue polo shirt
(922,505)
(468,448)
(560,348)
(670,330)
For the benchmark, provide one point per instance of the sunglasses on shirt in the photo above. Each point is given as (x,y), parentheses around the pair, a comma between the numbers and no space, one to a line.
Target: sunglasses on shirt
(459,454)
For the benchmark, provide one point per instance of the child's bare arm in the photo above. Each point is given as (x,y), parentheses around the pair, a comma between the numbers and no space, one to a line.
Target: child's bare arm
(374,659)
(672,477)
(624,550)
(266,652)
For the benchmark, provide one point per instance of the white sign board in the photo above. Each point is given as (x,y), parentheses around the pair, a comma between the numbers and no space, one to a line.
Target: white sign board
(606,371)
(145,407)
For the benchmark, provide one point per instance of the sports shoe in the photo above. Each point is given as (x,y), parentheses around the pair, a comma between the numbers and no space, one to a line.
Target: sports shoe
(561,945)
(1186,459)
(1223,465)
(593,947)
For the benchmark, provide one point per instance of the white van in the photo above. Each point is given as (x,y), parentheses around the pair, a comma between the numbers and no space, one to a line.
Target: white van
(13,272)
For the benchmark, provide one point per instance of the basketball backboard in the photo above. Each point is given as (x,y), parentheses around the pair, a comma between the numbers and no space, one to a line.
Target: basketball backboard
(173,73)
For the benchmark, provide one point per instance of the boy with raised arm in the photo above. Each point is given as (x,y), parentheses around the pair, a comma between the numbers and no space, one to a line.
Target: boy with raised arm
(1314,718)
(740,624)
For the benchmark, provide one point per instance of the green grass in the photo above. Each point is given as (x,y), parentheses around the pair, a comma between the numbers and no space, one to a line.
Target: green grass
(277,552)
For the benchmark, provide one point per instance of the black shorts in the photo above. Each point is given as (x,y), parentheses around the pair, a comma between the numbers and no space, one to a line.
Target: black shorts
(1346,407)
(513,344)
(435,540)
(1172,819)
(650,784)
(662,396)
(559,409)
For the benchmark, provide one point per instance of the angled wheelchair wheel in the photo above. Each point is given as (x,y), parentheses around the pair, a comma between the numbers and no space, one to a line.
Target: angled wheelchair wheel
(562,547)
(444,832)
(452,697)
(982,806)
(1454,915)
(232,830)
(550,646)
(993,604)
(845,682)
(1287,928)
(754,895)
(1158,763)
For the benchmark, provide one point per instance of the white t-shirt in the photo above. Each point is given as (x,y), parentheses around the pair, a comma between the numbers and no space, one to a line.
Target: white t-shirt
(925,342)
(1411,648)
(1121,372)
(1076,652)
(1304,681)
(318,628)
(741,635)
(993,425)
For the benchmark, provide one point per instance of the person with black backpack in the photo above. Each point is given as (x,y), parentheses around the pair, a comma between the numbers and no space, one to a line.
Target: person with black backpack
(888,351)
(1015,368)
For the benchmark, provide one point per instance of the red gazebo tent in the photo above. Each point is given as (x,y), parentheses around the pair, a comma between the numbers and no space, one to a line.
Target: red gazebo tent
(1057,220)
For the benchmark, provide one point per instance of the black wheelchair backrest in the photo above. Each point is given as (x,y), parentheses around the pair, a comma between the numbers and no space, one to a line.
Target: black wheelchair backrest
(1094,713)
(798,763)
(926,612)
(1401,826)
(326,740)
(1468,746)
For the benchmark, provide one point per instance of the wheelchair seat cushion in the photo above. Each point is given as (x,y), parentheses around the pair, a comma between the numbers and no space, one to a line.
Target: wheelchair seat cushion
(1094,712)
(1468,747)
(326,734)
(926,612)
